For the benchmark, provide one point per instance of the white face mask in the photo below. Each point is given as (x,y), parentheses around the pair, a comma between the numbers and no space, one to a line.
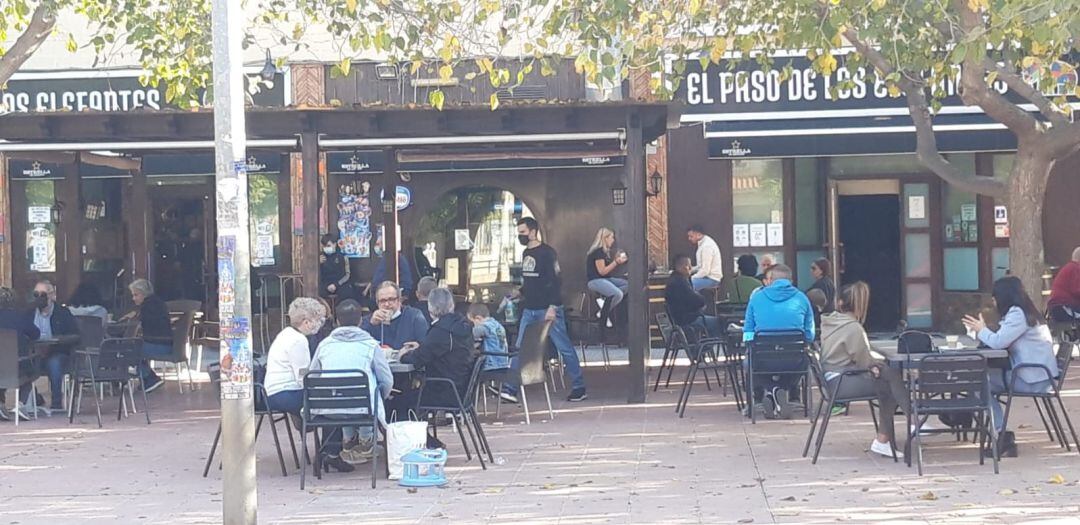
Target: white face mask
(329,250)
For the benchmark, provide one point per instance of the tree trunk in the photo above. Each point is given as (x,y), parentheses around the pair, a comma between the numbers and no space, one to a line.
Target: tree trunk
(1027,188)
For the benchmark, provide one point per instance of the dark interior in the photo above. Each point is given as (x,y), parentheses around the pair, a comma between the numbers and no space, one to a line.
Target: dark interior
(870,233)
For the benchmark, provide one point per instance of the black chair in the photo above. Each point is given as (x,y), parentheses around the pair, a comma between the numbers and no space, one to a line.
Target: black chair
(914,342)
(708,354)
(337,390)
(1051,418)
(183,331)
(262,411)
(780,353)
(582,322)
(671,348)
(439,395)
(10,364)
(828,398)
(529,370)
(112,364)
(950,384)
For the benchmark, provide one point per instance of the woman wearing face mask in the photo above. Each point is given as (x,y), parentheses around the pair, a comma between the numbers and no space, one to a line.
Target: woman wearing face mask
(334,272)
(289,354)
(601,268)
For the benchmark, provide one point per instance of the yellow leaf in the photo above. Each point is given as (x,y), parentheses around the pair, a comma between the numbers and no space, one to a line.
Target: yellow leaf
(929,496)
(1006,492)
(894,90)
(351,4)
(436,98)
(695,6)
(878,4)
(827,63)
(1056,479)
(415,66)
(716,53)
(445,72)
(494,101)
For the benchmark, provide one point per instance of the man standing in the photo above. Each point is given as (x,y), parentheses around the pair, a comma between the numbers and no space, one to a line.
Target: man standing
(709,270)
(1064,303)
(53,321)
(543,301)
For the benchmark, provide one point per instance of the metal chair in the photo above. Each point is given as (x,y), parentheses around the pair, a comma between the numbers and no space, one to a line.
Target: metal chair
(780,353)
(529,370)
(181,343)
(337,390)
(583,316)
(440,395)
(828,398)
(1051,418)
(671,348)
(111,365)
(953,383)
(10,363)
(708,353)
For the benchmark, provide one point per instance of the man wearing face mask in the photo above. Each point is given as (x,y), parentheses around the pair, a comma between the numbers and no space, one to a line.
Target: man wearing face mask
(395,325)
(289,355)
(543,300)
(53,321)
(334,273)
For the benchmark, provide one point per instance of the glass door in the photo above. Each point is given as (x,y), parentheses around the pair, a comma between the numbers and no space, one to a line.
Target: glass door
(37,248)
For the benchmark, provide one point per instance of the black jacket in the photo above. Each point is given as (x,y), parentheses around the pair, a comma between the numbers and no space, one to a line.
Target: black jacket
(447,351)
(62,322)
(684,304)
(154,317)
(827,287)
(23,326)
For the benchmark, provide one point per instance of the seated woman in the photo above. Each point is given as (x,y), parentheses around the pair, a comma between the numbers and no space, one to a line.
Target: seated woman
(1025,335)
(289,355)
(844,347)
(600,269)
(25,330)
(156,329)
(745,282)
(87,301)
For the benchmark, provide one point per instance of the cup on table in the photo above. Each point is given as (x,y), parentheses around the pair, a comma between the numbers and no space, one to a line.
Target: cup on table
(952,341)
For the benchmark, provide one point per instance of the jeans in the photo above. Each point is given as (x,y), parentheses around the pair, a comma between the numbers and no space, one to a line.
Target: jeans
(999,384)
(291,401)
(333,439)
(703,283)
(709,323)
(146,374)
(56,367)
(890,389)
(612,287)
(560,337)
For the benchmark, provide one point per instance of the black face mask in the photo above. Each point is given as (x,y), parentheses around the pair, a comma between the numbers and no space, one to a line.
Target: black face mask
(41,300)
(523,239)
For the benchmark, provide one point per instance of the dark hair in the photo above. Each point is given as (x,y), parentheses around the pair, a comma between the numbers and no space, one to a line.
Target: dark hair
(679,258)
(86,294)
(479,310)
(748,265)
(529,223)
(326,239)
(1009,292)
(696,228)
(348,313)
(824,265)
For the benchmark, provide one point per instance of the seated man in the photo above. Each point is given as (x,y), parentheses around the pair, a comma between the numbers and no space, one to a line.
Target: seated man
(686,305)
(1064,303)
(492,337)
(350,348)
(52,321)
(393,324)
(778,307)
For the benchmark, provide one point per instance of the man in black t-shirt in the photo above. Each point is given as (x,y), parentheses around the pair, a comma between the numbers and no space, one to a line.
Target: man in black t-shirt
(542,300)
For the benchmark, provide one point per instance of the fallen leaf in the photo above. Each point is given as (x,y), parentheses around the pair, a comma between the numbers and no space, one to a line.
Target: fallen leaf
(1006,492)
(929,496)
(548,486)
(1056,479)
(412,491)
(746,520)
(493,490)
(789,498)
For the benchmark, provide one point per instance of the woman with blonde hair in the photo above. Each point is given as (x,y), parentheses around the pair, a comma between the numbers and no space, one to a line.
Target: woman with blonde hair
(601,266)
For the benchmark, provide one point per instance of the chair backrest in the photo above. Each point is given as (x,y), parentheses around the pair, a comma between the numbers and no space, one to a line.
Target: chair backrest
(531,355)
(91,331)
(663,322)
(182,330)
(915,342)
(9,359)
(1064,359)
(337,390)
(779,351)
(954,380)
(115,359)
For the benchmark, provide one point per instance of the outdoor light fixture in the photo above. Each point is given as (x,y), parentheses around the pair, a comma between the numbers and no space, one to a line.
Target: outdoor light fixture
(388,205)
(269,70)
(618,194)
(386,71)
(655,184)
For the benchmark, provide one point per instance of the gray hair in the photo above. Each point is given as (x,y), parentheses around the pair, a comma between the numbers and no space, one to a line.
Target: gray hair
(1076,254)
(440,302)
(305,309)
(425,286)
(780,271)
(388,284)
(142,286)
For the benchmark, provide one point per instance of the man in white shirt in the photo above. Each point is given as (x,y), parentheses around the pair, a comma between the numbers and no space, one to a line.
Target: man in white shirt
(709,270)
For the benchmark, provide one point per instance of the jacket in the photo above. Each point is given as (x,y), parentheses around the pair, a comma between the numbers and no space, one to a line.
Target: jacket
(683,303)
(351,348)
(1065,290)
(493,339)
(61,321)
(827,287)
(446,351)
(742,287)
(709,262)
(844,345)
(154,318)
(778,307)
(1026,345)
(409,326)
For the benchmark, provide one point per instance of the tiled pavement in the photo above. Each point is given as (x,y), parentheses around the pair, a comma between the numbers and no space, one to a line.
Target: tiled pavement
(601,461)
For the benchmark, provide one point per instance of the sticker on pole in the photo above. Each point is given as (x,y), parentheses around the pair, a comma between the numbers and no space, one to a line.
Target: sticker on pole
(228,204)
(236,361)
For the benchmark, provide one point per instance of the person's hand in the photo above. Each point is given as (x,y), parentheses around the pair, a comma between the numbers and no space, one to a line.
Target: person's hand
(127,317)
(410,346)
(379,317)
(973,324)
(550,315)
(331,288)
(322,259)
(622,258)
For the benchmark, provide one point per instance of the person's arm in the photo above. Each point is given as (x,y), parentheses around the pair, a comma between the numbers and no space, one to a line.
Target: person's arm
(808,319)
(1013,326)
(316,360)
(703,257)
(384,377)
(749,324)
(299,358)
(862,357)
(28,326)
(347,274)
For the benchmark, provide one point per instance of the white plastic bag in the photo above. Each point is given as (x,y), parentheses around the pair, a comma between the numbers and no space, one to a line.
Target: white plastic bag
(403,437)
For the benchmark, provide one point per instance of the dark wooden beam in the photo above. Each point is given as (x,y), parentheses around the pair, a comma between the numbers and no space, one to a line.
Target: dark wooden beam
(309,245)
(632,218)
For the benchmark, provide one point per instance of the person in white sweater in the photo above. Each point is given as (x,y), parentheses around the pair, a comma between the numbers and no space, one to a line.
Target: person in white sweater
(289,354)
(709,270)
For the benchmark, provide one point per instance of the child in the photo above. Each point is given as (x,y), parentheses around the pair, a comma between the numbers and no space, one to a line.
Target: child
(493,339)
(818,301)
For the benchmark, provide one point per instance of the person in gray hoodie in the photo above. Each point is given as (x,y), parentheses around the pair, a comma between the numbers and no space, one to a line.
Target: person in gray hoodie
(349,347)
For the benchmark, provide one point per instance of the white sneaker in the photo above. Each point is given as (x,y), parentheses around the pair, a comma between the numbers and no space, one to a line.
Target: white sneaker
(884,449)
(926,428)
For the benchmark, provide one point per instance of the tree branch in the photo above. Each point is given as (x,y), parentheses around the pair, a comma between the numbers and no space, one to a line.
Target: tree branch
(1061,141)
(41,25)
(926,147)
(1017,84)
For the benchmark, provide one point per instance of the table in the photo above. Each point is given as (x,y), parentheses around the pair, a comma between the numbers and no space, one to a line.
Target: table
(887,349)
(43,346)
(398,367)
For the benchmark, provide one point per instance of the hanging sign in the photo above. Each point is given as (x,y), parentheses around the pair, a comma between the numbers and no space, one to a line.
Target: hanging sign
(1001,215)
(402,199)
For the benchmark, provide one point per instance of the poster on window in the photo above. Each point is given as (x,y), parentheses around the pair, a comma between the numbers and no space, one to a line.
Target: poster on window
(354,216)
(39,215)
(1001,215)
(741,235)
(776,234)
(41,250)
(758,236)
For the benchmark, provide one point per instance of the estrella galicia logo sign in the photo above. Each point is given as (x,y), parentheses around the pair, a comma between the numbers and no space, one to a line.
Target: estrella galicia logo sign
(596,161)
(254,166)
(402,198)
(36,170)
(355,165)
(736,150)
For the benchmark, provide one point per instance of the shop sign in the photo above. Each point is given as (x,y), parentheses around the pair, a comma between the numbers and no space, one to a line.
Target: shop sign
(1001,215)
(364,162)
(33,169)
(39,215)
(402,198)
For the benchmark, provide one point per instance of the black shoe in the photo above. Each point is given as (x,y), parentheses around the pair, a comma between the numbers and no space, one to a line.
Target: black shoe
(435,443)
(339,464)
(578,394)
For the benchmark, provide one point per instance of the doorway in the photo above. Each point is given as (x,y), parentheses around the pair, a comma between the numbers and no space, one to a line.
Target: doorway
(870,237)
(181,218)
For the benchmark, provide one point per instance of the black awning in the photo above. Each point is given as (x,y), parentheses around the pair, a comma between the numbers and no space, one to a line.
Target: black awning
(362,162)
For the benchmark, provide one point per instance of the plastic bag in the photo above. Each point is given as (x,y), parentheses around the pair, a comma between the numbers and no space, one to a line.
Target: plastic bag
(403,437)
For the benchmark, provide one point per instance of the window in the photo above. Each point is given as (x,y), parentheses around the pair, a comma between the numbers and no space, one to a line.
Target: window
(41,234)
(264,220)
(808,213)
(874,165)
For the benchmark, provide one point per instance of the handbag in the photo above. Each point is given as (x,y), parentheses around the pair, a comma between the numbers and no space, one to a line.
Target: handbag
(403,437)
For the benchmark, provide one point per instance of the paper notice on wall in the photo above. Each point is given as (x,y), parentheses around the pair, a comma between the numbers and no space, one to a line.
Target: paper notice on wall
(758,235)
(776,216)
(967,212)
(1001,231)
(916,207)
(461,240)
(264,250)
(740,236)
(775,233)
(39,215)
(1001,215)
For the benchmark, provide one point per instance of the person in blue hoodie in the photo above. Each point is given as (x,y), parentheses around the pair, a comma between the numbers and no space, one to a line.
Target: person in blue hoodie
(778,307)
(349,347)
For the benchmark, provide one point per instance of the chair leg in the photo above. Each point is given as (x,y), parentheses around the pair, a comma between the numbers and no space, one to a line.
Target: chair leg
(303,446)
(277,446)
(813,427)
(524,404)
(483,436)
(547,395)
(131,397)
(472,437)
(191,382)
(17,418)
(213,449)
(1068,420)
(1046,424)
(120,405)
(461,434)
(686,383)
(821,433)
(1059,428)
(660,371)
(671,367)
(690,387)
(292,442)
(146,403)
(918,444)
